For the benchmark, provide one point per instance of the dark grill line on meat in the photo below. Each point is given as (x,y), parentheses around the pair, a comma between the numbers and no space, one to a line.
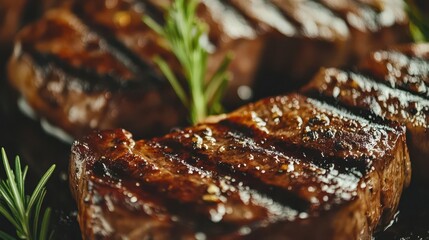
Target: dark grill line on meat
(399,70)
(124,54)
(88,80)
(180,160)
(280,146)
(169,192)
(378,98)
(250,178)
(185,211)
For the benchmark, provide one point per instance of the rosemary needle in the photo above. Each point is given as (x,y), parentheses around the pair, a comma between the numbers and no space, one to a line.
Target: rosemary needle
(21,210)
(184,33)
(419,22)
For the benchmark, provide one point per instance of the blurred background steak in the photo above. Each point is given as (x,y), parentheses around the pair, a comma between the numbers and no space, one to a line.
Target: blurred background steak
(278,45)
(405,67)
(74,79)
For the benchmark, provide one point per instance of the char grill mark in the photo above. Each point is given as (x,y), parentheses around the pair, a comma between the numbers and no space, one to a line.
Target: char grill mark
(307,123)
(360,92)
(75,80)
(77,52)
(405,68)
(287,178)
(224,180)
(89,81)
(230,31)
(183,188)
(122,27)
(275,138)
(205,201)
(111,208)
(364,95)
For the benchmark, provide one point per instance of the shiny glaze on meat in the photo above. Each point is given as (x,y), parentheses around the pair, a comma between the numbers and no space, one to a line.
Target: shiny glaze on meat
(229,32)
(325,33)
(100,51)
(254,173)
(120,22)
(405,67)
(368,97)
(72,77)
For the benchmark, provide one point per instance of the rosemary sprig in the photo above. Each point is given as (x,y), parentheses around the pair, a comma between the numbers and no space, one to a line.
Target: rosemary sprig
(185,33)
(23,211)
(419,23)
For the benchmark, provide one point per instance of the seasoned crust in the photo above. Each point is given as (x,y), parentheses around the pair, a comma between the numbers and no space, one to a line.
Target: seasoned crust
(69,76)
(222,181)
(373,99)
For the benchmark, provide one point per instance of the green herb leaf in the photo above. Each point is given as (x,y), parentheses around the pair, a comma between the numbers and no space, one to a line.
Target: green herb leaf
(184,33)
(6,236)
(18,208)
(419,23)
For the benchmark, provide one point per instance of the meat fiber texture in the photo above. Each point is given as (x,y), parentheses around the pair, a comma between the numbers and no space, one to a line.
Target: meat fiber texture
(69,76)
(372,99)
(287,167)
(96,69)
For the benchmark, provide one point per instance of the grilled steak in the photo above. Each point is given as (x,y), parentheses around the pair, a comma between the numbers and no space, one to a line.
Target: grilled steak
(368,97)
(114,49)
(325,33)
(405,67)
(75,80)
(288,167)
(121,21)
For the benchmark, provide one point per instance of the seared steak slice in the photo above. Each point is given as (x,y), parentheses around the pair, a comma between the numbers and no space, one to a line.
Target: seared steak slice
(288,167)
(405,67)
(325,33)
(368,97)
(121,21)
(113,62)
(74,79)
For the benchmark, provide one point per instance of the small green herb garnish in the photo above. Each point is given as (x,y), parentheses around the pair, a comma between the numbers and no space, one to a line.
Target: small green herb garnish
(23,211)
(419,23)
(184,33)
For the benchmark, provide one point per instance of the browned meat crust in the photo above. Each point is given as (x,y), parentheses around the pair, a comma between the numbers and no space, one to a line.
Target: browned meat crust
(287,167)
(328,33)
(370,98)
(71,77)
(404,67)
(229,32)
(114,48)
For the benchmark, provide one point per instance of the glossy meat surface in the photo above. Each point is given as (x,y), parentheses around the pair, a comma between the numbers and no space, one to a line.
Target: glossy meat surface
(122,22)
(100,51)
(328,33)
(71,77)
(364,95)
(254,173)
(405,67)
